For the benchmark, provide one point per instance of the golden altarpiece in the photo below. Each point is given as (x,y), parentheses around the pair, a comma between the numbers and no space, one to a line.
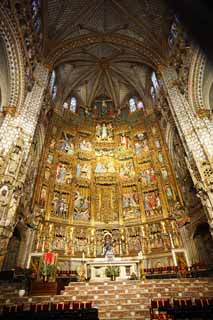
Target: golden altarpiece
(107,184)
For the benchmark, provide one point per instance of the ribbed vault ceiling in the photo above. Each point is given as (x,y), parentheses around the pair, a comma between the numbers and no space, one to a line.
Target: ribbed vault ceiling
(104,66)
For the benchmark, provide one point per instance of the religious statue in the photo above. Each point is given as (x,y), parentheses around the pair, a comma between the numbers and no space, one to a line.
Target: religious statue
(104,132)
(111,113)
(119,113)
(66,145)
(34,218)
(164,173)
(148,176)
(15,156)
(103,108)
(86,112)
(47,174)
(141,146)
(130,204)
(60,206)
(62,176)
(110,131)
(4,199)
(124,141)
(108,250)
(61,173)
(10,217)
(178,213)
(52,143)
(110,167)
(160,157)
(50,158)
(86,171)
(95,112)
(141,136)
(145,146)
(43,197)
(85,145)
(157,143)
(127,170)
(81,207)
(100,168)
(98,131)
(137,148)
(152,204)
(169,194)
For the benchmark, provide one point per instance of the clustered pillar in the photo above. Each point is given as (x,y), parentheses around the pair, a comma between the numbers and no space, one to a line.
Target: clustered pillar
(16,136)
(196,135)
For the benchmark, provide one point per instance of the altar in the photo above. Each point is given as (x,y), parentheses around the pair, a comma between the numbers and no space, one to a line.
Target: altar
(96,269)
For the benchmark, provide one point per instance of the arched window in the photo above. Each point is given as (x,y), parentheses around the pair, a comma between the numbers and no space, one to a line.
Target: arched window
(155,81)
(73,104)
(140,105)
(135,104)
(52,81)
(204,243)
(35,8)
(153,93)
(132,104)
(54,92)
(35,15)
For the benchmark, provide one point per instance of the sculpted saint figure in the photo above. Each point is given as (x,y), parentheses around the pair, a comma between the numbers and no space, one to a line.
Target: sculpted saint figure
(11,211)
(98,131)
(109,129)
(14,160)
(104,134)
(4,191)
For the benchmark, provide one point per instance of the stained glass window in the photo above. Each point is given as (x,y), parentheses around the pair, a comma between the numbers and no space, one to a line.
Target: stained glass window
(132,104)
(54,92)
(73,104)
(140,105)
(35,15)
(153,94)
(135,104)
(155,81)
(52,81)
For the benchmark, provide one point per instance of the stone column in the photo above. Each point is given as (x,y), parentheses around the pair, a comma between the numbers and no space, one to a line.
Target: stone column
(197,138)
(16,136)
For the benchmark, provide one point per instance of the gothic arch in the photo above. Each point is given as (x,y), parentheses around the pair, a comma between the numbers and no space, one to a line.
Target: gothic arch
(15,60)
(196,77)
(13,248)
(204,243)
(148,56)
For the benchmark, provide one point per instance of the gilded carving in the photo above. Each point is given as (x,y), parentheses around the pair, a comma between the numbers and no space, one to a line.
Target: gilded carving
(106,175)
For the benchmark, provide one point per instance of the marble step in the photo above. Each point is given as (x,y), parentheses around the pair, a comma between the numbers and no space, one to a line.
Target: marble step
(124,314)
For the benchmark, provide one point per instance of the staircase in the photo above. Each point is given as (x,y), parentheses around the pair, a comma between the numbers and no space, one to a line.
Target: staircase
(8,291)
(130,300)
(117,300)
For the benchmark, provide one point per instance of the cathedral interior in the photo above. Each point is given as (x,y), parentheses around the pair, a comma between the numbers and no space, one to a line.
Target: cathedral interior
(106,148)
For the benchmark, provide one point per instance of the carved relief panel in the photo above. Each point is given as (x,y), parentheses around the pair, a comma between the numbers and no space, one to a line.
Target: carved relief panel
(106,176)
